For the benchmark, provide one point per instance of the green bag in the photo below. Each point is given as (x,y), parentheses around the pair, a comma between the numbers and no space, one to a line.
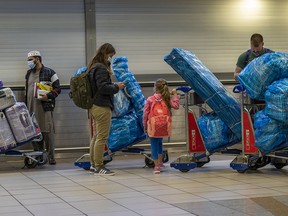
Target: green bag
(81,89)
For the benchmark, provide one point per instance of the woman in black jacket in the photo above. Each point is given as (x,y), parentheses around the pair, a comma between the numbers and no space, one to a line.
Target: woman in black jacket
(102,108)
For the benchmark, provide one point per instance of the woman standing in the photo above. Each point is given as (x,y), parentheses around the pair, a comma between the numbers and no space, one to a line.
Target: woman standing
(101,111)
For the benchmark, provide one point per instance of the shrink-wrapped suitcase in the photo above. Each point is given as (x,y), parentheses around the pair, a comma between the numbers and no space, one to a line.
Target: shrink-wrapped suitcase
(7,98)
(20,122)
(7,140)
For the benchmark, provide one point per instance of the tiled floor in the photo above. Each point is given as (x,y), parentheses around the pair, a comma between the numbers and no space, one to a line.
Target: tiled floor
(214,189)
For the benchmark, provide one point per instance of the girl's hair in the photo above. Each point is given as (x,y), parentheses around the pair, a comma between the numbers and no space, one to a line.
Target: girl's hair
(161,87)
(101,53)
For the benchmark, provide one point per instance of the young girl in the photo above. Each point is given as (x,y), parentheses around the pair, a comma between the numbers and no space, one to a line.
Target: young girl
(161,92)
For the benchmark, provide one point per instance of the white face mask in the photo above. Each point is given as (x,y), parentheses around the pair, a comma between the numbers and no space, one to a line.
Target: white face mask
(109,59)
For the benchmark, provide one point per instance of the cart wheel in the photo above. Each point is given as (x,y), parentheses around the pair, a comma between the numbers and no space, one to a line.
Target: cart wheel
(201,164)
(241,171)
(165,156)
(263,161)
(30,163)
(279,165)
(149,163)
(42,159)
(184,170)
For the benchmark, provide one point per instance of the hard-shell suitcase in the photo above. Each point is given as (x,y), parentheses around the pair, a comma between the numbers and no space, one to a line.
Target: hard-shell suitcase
(7,98)
(20,122)
(7,140)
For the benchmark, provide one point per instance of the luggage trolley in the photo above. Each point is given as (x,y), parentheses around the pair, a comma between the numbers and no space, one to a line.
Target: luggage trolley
(31,158)
(84,160)
(197,154)
(251,158)
(196,151)
(18,127)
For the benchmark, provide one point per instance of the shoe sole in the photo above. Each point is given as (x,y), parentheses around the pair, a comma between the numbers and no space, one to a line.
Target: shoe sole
(102,174)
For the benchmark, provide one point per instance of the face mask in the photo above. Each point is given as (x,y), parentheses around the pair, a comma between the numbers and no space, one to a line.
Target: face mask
(31,64)
(109,60)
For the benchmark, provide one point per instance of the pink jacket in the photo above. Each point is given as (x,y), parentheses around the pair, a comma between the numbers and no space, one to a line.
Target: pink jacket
(174,102)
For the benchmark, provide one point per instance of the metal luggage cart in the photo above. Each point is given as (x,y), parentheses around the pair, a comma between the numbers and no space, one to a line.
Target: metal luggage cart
(251,158)
(31,158)
(84,160)
(197,155)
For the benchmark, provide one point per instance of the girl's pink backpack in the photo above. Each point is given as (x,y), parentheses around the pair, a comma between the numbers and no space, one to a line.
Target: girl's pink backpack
(159,120)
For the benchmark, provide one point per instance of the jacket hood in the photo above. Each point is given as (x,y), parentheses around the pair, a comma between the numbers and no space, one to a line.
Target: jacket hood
(157,96)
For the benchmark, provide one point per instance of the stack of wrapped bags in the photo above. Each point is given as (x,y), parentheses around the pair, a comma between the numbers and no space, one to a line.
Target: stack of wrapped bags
(126,124)
(16,125)
(222,127)
(266,78)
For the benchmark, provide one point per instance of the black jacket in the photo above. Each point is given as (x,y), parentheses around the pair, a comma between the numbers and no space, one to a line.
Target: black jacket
(105,89)
(46,74)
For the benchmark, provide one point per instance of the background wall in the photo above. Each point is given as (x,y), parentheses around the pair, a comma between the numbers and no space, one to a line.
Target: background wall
(144,31)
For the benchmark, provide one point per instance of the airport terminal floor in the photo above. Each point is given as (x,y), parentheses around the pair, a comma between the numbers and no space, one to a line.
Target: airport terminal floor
(212,190)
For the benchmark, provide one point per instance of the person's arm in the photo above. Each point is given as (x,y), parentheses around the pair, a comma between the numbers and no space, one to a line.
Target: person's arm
(103,82)
(146,112)
(241,63)
(236,72)
(174,102)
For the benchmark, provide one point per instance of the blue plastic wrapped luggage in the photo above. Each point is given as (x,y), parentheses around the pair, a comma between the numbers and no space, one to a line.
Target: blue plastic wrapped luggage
(124,131)
(262,71)
(269,133)
(122,104)
(207,86)
(215,132)
(1,84)
(123,74)
(276,98)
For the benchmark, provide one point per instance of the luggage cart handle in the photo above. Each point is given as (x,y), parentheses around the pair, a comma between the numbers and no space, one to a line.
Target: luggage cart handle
(238,88)
(184,89)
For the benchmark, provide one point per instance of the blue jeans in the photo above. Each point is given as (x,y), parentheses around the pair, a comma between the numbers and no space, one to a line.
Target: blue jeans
(156,147)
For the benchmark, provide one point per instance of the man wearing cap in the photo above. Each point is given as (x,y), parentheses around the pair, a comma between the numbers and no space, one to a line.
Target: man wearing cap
(42,104)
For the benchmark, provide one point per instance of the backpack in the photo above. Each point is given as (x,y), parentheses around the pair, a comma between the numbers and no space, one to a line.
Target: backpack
(81,88)
(266,50)
(159,120)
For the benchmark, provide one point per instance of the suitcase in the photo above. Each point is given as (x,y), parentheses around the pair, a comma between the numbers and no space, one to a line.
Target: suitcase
(7,98)
(20,122)
(7,140)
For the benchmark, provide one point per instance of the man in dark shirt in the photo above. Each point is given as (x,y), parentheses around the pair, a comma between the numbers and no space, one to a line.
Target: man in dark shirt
(257,49)
(42,104)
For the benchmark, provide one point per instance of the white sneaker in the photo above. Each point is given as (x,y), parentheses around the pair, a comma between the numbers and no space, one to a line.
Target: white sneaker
(92,169)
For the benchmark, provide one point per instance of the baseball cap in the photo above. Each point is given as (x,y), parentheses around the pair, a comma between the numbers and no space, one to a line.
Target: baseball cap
(33,53)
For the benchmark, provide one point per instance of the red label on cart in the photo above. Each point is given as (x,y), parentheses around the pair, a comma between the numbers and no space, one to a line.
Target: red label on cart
(196,143)
(248,135)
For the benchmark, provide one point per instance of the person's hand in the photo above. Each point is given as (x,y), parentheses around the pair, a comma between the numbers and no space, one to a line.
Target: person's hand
(121,85)
(174,92)
(43,97)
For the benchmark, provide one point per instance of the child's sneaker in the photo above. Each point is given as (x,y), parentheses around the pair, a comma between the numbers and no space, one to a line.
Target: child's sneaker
(104,171)
(161,165)
(156,170)
(92,169)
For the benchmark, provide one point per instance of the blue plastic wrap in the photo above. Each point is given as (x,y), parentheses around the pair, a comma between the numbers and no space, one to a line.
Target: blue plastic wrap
(80,70)
(122,74)
(215,132)
(122,104)
(276,98)
(124,131)
(262,71)
(1,84)
(207,86)
(269,133)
